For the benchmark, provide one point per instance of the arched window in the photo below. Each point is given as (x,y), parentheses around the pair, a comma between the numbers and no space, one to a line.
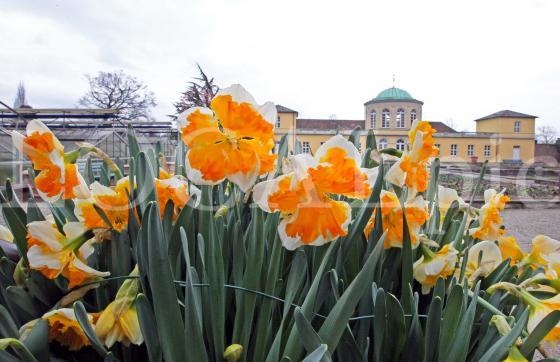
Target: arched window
(413,115)
(372,119)
(400,145)
(385,118)
(400,118)
(382,143)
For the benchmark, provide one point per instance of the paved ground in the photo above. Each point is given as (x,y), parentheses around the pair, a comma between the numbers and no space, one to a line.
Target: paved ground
(525,224)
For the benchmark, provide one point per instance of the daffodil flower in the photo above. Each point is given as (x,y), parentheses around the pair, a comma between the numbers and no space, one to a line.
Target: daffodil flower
(310,216)
(489,216)
(432,266)
(482,259)
(176,189)
(412,168)
(63,328)
(57,178)
(233,140)
(119,321)
(446,197)
(542,247)
(53,253)
(113,201)
(510,249)
(416,211)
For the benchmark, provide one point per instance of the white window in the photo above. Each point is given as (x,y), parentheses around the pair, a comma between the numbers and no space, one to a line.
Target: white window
(517,127)
(486,150)
(437,145)
(400,145)
(305,147)
(382,143)
(453,150)
(278,122)
(385,118)
(372,119)
(413,115)
(400,118)
(470,150)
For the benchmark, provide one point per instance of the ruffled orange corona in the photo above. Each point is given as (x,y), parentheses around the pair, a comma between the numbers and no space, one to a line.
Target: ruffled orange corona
(432,266)
(233,140)
(175,189)
(416,211)
(309,215)
(510,249)
(489,216)
(56,178)
(113,201)
(53,253)
(65,329)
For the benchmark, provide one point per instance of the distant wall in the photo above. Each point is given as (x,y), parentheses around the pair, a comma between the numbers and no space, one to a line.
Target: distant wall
(548,154)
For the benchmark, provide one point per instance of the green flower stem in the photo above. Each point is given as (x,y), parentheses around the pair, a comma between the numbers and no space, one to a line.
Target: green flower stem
(483,303)
(16,344)
(76,243)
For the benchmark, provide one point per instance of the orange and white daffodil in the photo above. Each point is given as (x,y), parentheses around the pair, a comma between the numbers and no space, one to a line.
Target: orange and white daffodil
(303,194)
(446,197)
(510,249)
(482,259)
(174,189)
(119,321)
(56,178)
(65,329)
(113,201)
(542,248)
(417,214)
(233,140)
(538,308)
(412,168)
(53,253)
(432,266)
(6,234)
(490,221)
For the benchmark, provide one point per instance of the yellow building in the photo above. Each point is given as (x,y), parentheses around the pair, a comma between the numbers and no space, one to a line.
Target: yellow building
(504,136)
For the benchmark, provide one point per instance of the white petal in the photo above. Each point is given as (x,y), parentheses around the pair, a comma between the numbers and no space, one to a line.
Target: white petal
(99,189)
(86,250)
(45,232)
(37,259)
(288,242)
(238,94)
(489,194)
(17,140)
(85,268)
(491,256)
(263,190)
(371,174)
(417,203)
(396,175)
(73,229)
(245,181)
(81,190)
(196,193)
(339,142)
(268,111)
(299,164)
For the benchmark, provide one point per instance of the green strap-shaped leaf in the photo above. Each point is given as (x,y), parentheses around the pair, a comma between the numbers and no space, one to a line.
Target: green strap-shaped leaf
(8,328)
(379,324)
(317,355)
(148,327)
(309,337)
(432,330)
(38,341)
(82,317)
(540,331)
(451,316)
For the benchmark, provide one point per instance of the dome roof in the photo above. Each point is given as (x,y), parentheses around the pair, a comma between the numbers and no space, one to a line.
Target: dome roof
(393,93)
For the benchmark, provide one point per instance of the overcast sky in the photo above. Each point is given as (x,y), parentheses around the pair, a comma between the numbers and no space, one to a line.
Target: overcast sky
(464,59)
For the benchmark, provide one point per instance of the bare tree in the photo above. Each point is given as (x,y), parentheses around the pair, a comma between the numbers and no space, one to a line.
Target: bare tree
(120,91)
(199,92)
(20,100)
(546,134)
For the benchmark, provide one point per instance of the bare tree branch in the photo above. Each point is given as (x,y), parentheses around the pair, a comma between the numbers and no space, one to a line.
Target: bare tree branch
(199,92)
(121,91)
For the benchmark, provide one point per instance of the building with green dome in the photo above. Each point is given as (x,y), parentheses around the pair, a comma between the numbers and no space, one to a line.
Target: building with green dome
(504,136)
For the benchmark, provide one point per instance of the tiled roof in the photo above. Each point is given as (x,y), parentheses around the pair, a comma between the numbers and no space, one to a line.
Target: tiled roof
(329,124)
(506,113)
(442,127)
(282,109)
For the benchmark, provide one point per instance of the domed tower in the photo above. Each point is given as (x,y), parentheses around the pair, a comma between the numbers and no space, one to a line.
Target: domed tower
(392,109)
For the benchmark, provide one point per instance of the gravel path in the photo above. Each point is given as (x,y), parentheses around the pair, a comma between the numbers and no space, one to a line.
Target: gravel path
(525,224)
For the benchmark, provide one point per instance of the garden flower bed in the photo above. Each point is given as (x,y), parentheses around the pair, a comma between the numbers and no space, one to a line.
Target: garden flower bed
(240,253)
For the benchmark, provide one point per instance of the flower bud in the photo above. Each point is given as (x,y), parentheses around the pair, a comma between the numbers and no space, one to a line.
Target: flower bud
(233,352)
